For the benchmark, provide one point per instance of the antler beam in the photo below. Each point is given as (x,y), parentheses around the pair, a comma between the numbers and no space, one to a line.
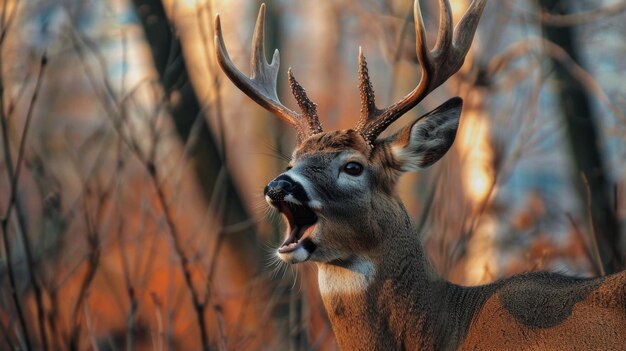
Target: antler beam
(261,86)
(437,65)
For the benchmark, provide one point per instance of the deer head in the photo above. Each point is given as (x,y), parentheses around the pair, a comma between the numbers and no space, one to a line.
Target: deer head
(338,192)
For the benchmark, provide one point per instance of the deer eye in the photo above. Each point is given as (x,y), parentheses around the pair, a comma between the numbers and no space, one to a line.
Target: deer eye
(353,168)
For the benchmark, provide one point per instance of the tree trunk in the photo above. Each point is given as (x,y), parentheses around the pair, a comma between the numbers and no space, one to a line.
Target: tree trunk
(239,250)
(583,139)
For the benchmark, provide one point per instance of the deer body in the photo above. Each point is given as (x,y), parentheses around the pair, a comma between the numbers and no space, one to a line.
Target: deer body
(383,294)
(395,314)
(404,305)
(339,200)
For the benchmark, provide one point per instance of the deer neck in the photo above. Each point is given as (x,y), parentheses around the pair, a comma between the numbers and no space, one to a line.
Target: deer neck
(372,301)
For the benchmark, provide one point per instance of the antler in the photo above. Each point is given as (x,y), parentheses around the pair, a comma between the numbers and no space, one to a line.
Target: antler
(261,86)
(438,64)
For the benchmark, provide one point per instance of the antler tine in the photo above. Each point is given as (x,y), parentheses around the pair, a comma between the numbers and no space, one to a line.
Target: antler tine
(466,28)
(308,107)
(437,65)
(444,36)
(261,85)
(368,104)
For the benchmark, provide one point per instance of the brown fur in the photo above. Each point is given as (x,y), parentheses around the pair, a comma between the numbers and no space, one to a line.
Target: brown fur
(333,141)
(596,323)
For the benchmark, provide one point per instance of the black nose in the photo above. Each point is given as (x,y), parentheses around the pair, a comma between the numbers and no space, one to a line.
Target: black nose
(280,187)
(281,184)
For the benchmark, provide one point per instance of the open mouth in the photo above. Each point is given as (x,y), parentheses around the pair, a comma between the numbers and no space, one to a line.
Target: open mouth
(301,220)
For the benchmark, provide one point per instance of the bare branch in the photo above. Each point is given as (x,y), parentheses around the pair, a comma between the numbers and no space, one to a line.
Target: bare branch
(576,19)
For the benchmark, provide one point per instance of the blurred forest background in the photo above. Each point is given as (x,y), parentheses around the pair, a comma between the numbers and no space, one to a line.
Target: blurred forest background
(131,171)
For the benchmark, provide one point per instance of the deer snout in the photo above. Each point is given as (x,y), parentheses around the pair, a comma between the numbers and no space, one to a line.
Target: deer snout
(285,188)
(278,188)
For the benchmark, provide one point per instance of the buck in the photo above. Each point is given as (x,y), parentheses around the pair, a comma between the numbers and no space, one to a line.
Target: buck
(343,213)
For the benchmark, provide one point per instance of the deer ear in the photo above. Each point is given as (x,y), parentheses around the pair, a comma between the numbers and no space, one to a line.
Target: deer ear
(426,140)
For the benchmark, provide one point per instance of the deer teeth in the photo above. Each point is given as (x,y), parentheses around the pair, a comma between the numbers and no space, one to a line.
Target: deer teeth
(288,247)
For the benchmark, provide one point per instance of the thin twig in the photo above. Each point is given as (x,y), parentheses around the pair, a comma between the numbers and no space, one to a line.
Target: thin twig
(92,264)
(90,331)
(198,305)
(6,146)
(593,258)
(592,227)
(13,202)
(575,19)
(543,46)
(212,67)
(6,337)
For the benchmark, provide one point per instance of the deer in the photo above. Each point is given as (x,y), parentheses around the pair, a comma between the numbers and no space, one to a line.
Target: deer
(343,213)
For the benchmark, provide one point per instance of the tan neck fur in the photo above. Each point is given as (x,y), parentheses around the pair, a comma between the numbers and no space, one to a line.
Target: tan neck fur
(383,297)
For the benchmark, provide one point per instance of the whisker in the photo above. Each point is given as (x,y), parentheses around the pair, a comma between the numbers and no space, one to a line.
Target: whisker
(274,152)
